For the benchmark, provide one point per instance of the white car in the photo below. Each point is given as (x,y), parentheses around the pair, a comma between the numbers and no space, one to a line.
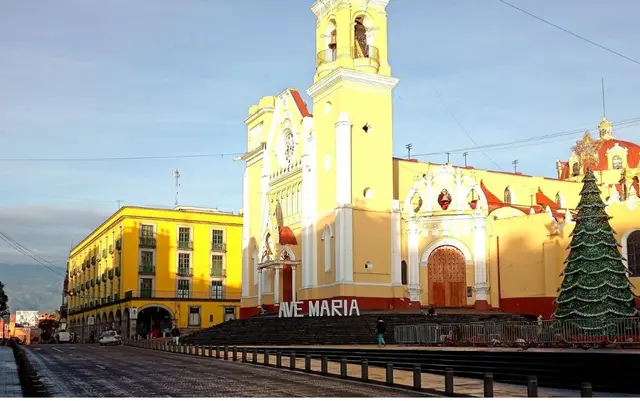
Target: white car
(62,336)
(110,337)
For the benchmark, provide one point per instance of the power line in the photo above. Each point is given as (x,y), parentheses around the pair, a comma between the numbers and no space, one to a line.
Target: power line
(98,159)
(570,33)
(528,141)
(463,130)
(30,254)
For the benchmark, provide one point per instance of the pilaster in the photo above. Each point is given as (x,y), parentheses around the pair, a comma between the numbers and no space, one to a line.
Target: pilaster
(480,264)
(344,211)
(414,262)
(245,233)
(309,206)
(396,234)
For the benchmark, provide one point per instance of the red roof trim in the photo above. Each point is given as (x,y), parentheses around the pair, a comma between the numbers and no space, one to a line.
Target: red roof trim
(302,106)
(543,200)
(287,237)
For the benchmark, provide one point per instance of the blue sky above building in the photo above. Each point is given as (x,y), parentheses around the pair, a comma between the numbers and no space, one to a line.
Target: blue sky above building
(85,79)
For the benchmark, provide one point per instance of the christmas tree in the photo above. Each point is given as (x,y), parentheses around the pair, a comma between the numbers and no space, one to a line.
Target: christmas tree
(595,288)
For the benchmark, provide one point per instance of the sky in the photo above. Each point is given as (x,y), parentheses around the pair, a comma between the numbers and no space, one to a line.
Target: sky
(119,78)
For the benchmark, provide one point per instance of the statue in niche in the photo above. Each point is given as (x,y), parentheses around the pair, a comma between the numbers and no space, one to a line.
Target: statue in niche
(362,48)
(444,199)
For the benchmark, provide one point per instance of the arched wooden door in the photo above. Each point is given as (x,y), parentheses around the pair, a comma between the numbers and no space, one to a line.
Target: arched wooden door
(287,285)
(447,277)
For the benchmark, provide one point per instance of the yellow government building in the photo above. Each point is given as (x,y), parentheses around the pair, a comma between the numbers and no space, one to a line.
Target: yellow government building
(330,214)
(146,269)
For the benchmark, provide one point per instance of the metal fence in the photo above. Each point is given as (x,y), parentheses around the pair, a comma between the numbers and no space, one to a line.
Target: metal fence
(621,332)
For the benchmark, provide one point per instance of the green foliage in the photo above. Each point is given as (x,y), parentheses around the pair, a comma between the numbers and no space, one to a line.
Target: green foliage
(595,287)
(4,301)
(48,325)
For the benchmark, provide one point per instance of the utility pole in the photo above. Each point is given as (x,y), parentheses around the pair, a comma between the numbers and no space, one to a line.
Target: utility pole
(465,154)
(176,175)
(448,157)
(119,201)
(409,146)
(515,166)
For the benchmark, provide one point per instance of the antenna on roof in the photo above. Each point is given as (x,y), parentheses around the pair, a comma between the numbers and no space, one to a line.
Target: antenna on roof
(176,175)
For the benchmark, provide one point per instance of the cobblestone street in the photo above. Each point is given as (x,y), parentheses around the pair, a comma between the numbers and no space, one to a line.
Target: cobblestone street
(117,371)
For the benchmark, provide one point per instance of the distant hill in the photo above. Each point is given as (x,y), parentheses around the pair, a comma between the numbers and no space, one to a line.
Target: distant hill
(31,287)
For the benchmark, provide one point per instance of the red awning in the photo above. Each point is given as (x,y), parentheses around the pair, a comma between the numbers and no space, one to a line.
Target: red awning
(287,237)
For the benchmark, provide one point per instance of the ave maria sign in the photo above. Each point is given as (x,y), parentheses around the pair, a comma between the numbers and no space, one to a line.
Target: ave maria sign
(333,307)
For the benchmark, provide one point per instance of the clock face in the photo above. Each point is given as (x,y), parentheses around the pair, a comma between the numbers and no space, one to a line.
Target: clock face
(289,148)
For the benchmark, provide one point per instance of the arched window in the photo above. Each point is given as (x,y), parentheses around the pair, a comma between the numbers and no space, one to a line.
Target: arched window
(617,162)
(633,253)
(507,195)
(403,272)
(575,169)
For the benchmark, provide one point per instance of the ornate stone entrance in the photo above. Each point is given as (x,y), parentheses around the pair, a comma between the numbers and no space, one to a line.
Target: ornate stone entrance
(446,271)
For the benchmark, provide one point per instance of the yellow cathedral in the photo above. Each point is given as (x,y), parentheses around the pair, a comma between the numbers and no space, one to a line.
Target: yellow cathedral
(330,214)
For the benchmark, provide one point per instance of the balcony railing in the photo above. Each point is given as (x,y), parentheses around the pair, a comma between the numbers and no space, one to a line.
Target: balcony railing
(356,52)
(218,246)
(147,269)
(182,244)
(185,271)
(218,271)
(147,242)
(183,294)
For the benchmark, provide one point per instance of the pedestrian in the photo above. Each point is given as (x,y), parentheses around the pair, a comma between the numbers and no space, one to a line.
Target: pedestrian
(381,329)
(175,334)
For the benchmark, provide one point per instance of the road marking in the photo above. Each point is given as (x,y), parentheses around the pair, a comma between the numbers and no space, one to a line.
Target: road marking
(57,349)
(101,367)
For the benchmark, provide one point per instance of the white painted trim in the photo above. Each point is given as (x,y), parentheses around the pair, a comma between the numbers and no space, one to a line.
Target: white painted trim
(396,243)
(413,282)
(344,244)
(246,232)
(224,237)
(327,235)
(340,75)
(446,241)
(284,249)
(625,246)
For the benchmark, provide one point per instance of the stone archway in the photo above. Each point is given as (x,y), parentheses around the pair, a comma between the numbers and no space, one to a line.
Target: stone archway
(154,319)
(447,277)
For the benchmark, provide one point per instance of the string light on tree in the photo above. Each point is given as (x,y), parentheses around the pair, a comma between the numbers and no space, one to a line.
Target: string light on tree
(595,287)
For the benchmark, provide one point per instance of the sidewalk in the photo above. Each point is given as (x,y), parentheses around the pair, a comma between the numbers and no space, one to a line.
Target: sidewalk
(9,381)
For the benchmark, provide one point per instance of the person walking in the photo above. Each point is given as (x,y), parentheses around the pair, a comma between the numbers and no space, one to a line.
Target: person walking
(175,334)
(381,329)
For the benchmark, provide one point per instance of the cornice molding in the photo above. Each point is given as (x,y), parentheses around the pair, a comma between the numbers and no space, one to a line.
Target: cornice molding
(347,75)
(253,117)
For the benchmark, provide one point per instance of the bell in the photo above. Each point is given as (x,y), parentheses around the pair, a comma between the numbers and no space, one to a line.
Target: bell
(333,43)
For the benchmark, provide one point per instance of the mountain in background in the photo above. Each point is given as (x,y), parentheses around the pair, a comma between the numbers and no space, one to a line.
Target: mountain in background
(31,287)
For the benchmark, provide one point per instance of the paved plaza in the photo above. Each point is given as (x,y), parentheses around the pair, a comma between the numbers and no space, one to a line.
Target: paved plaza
(118,371)
(9,381)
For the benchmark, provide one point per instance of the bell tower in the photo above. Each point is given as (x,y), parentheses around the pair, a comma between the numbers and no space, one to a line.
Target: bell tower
(352,98)
(351,34)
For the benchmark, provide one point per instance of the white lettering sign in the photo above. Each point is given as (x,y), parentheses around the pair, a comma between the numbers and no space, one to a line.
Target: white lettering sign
(335,307)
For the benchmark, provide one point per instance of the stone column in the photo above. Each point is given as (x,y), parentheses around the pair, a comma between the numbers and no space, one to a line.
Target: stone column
(480,264)
(276,285)
(259,287)
(293,283)
(414,262)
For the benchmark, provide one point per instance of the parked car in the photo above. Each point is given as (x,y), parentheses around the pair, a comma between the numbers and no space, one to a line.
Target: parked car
(62,336)
(110,337)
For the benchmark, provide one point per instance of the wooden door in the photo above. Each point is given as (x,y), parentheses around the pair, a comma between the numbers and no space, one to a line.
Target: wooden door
(446,271)
(287,285)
